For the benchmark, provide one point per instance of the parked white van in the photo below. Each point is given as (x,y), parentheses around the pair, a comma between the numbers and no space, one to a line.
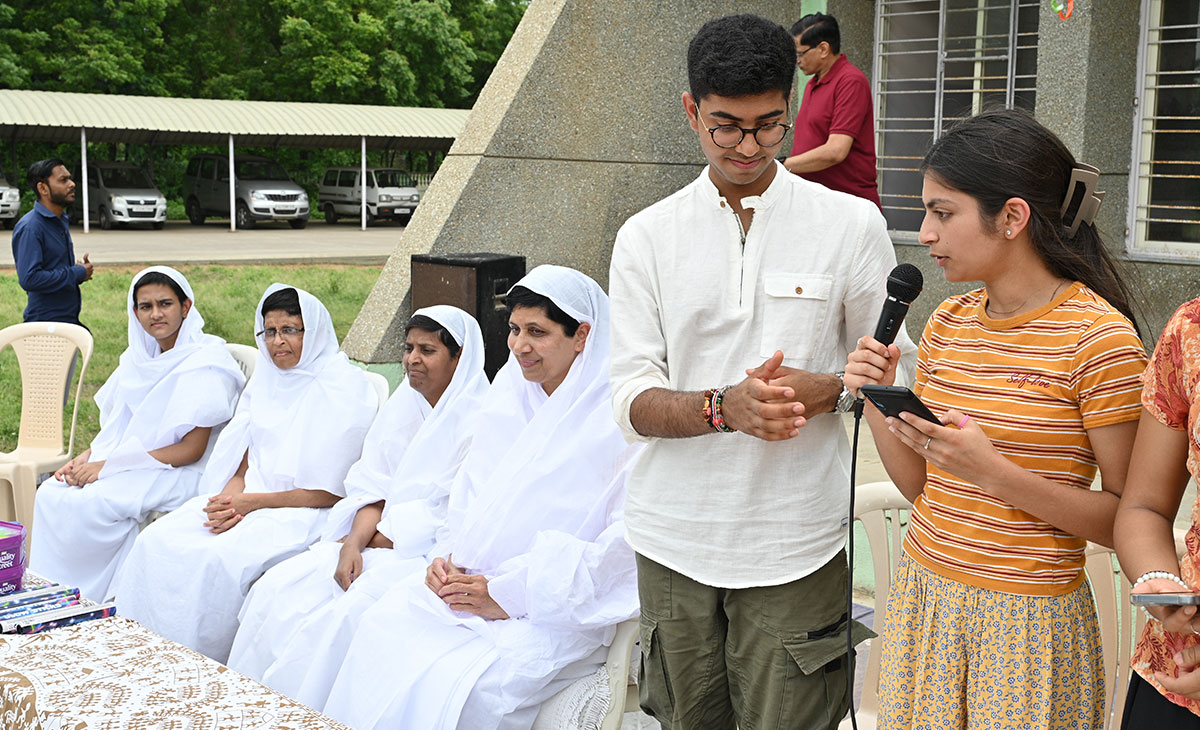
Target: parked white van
(10,202)
(391,193)
(121,193)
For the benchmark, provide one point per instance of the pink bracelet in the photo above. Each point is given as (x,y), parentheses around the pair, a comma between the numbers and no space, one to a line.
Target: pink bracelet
(963,422)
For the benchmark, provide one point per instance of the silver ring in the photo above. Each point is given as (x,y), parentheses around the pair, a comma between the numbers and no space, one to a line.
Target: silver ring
(927,442)
(1193,630)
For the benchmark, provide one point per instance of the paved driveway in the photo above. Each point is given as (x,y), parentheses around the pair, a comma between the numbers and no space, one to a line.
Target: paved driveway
(182,243)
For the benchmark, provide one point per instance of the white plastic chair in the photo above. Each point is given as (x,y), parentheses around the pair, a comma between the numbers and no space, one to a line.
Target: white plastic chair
(382,389)
(879,506)
(583,700)
(1120,622)
(44,351)
(246,357)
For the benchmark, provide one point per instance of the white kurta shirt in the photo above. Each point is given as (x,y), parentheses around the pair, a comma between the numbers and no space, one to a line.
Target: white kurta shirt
(693,308)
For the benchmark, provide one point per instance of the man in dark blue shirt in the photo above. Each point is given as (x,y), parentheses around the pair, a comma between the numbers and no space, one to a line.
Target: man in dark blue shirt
(43,250)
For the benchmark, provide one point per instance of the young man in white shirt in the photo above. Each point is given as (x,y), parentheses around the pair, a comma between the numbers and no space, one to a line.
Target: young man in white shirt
(735,301)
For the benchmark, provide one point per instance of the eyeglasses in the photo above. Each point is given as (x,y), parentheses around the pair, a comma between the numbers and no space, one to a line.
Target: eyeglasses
(800,54)
(728,136)
(287,333)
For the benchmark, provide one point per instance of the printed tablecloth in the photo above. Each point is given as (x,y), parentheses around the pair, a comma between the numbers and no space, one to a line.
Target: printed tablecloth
(114,674)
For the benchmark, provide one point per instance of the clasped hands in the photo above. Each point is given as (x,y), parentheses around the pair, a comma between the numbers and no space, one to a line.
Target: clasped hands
(225,510)
(770,403)
(460,591)
(79,471)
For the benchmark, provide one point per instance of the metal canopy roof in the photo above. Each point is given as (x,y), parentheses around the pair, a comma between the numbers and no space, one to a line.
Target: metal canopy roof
(52,116)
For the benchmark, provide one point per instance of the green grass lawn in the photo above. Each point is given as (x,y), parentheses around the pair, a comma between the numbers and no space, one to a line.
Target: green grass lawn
(225,295)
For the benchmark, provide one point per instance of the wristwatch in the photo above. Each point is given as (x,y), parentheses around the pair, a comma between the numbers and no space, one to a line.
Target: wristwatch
(845,401)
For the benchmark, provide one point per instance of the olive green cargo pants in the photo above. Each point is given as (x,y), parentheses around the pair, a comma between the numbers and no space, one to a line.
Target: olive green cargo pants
(751,658)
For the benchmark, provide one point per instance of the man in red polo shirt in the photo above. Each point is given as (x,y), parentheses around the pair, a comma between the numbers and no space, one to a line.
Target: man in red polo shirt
(834,140)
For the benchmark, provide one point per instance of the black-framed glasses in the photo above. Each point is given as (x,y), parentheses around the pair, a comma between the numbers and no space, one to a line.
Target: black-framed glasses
(286,332)
(800,54)
(728,136)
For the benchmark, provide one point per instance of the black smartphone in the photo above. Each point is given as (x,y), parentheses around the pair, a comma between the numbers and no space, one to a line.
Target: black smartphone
(1184,598)
(892,400)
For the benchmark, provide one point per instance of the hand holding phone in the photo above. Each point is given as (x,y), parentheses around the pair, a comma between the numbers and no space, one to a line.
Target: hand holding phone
(892,400)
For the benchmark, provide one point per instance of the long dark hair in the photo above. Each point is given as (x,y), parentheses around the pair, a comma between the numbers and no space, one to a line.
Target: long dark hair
(1005,153)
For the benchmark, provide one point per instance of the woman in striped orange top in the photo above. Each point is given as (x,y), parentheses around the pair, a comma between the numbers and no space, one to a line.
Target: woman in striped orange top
(1034,376)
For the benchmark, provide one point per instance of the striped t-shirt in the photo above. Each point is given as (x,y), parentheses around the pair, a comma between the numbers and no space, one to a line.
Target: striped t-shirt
(1034,383)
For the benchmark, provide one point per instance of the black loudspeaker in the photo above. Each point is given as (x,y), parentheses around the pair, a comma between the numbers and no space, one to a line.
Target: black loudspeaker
(475,283)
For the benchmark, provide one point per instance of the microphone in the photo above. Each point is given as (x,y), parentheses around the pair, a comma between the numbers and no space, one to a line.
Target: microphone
(903,286)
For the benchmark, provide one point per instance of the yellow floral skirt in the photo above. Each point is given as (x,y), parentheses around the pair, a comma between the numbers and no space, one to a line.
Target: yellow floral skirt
(960,657)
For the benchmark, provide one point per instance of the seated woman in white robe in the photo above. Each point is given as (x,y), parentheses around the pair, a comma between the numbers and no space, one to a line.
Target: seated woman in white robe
(395,501)
(283,458)
(173,386)
(531,571)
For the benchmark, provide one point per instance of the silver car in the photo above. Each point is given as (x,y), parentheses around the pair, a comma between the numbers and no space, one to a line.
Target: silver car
(263,191)
(122,193)
(10,202)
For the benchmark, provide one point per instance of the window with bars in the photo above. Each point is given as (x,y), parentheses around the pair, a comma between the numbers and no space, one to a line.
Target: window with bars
(937,61)
(1165,188)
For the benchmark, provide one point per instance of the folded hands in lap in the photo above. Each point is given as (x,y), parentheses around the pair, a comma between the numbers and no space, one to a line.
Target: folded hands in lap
(460,591)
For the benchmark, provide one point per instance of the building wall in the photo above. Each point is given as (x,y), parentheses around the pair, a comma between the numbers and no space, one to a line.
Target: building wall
(1086,91)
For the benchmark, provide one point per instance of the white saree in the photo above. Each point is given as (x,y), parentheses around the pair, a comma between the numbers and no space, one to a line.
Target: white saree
(537,509)
(302,428)
(152,400)
(410,457)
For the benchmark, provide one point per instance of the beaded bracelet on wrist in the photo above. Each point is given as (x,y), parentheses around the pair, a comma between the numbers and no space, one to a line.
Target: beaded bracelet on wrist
(718,418)
(707,412)
(1156,575)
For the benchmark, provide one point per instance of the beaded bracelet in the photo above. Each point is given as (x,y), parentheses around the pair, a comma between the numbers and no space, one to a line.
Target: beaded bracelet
(718,418)
(707,412)
(1154,575)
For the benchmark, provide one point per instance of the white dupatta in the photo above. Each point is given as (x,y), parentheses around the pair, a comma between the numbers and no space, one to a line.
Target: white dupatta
(413,451)
(541,464)
(303,426)
(148,403)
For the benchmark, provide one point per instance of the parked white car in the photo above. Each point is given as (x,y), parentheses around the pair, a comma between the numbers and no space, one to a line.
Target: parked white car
(10,202)
(120,193)
(391,193)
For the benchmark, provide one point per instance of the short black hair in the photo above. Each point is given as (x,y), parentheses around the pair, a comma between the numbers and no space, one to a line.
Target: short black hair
(816,28)
(740,55)
(157,277)
(524,297)
(284,300)
(432,326)
(40,171)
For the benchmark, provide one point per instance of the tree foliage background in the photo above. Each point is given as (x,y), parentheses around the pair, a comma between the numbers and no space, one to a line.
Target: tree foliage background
(431,53)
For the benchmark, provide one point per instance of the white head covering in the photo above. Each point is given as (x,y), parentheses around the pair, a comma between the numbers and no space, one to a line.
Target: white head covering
(304,426)
(413,450)
(539,463)
(147,403)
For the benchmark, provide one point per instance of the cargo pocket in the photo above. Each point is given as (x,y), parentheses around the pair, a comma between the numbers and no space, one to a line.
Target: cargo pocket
(794,308)
(821,695)
(653,687)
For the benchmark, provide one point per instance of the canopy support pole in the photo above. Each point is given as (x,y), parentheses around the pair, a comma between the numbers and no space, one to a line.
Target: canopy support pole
(84,175)
(362,181)
(232,186)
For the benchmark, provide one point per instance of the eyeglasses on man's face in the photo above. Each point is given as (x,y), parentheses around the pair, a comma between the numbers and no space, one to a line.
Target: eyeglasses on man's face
(800,54)
(286,332)
(728,136)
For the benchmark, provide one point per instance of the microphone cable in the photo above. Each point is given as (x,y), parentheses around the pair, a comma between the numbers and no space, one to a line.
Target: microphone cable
(851,669)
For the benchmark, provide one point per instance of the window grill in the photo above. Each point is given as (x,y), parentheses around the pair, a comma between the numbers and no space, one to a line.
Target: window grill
(1165,187)
(938,61)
